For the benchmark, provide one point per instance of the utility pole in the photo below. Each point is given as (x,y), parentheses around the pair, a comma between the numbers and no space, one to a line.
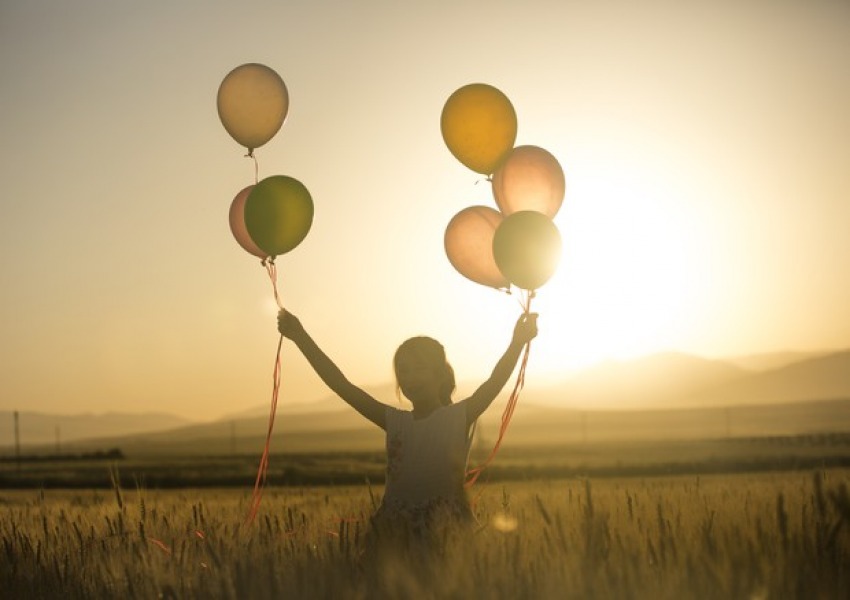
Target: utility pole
(233,438)
(58,442)
(17,443)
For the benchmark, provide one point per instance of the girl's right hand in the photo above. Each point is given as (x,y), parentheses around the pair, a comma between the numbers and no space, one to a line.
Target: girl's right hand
(288,324)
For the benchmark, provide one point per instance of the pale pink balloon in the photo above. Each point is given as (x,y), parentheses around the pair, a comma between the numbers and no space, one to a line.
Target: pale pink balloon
(469,245)
(529,178)
(237,224)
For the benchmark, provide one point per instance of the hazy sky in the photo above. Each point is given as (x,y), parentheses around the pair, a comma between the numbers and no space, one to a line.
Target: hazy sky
(706,147)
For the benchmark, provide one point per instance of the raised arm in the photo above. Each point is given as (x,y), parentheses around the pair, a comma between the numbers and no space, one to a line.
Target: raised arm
(291,328)
(524,331)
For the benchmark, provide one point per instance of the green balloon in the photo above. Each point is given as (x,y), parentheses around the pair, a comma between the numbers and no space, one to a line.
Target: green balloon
(527,248)
(278,214)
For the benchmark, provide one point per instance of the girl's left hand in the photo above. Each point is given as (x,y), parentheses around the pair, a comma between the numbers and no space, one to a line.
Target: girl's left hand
(525,329)
(288,324)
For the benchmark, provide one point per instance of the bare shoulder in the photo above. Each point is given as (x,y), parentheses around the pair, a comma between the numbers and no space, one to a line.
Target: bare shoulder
(467,407)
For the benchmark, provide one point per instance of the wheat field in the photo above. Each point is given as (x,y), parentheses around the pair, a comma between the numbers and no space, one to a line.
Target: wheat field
(759,536)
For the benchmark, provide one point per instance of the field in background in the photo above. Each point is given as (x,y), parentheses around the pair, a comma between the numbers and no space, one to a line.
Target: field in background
(714,504)
(712,536)
(514,462)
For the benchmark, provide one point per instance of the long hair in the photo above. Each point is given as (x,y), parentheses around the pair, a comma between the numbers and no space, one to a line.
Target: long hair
(431,352)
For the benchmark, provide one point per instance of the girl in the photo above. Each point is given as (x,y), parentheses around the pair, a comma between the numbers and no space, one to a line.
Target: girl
(427,447)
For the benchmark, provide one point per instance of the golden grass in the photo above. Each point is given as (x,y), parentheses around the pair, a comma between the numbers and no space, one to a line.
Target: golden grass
(730,536)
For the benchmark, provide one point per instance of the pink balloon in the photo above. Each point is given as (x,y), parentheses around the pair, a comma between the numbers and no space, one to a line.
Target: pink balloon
(529,178)
(237,224)
(469,245)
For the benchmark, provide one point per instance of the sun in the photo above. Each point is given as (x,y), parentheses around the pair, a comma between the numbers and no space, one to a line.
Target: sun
(627,281)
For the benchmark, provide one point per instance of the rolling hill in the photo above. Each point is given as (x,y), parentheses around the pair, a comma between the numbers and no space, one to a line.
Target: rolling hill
(658,381)
(42,428)
(671,381)
(667,396)
(824,377)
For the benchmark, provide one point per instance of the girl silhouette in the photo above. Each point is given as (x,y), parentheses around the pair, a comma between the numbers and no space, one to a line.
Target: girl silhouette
(427,447)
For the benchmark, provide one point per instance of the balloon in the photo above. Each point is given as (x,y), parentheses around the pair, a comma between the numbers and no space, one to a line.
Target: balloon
(237,224)
(252,104)
(529,178)
(479,126)
(469,245)
(527,247)
(278,214)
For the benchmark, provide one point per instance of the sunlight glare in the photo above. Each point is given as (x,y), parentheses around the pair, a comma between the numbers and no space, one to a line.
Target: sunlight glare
(270,307)
(627,278)
(504,522)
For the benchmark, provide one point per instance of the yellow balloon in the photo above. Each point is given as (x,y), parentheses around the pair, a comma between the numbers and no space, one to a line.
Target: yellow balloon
(479,126)
(529,178)
(278,214)
(527,248)
(469,245)
(252,104)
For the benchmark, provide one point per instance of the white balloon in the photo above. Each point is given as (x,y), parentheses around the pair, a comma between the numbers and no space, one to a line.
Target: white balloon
(252,104)
(529,178)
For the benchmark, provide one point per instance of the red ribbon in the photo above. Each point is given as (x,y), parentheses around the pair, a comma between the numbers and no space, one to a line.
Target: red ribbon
(262,471)
(473,474)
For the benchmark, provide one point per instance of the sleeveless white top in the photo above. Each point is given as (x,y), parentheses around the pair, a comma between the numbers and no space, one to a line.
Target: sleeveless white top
(426,458)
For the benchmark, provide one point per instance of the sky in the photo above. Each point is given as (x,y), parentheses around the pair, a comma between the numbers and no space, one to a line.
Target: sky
(705,147)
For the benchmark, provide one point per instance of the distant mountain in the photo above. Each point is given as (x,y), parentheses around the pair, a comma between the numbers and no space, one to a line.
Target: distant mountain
(534,425)
(384,392)
(344,430)
(822,378)
(682,381)
(304,431)
(659,381)
(654,397)
(772,360)
(656,381)
(41,428)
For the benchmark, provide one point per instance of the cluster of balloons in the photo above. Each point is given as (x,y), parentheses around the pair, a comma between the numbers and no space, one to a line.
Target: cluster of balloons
(518,244)
(272,216)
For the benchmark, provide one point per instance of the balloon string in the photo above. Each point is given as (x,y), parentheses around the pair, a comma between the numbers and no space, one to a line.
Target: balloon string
(473,474)
(256,166)
(262,470)
(271,269)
